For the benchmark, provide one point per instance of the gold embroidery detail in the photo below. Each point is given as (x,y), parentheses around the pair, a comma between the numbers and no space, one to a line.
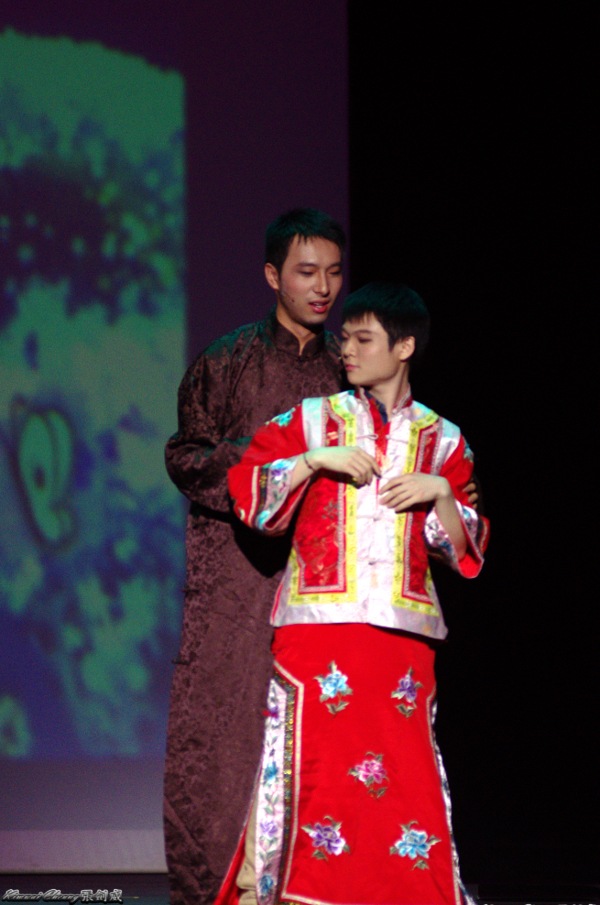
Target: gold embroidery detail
(403,528)
(347,516)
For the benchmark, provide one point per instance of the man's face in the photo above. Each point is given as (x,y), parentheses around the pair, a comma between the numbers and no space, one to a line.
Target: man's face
(309,282)
(366,353)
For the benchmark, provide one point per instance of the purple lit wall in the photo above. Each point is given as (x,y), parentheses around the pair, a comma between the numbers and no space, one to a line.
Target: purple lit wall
(268,98)
(143,151)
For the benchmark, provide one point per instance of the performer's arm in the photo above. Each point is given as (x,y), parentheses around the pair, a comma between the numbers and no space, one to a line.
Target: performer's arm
(269,482)
(260,485)
(349,460)
(461,550)
(409,490)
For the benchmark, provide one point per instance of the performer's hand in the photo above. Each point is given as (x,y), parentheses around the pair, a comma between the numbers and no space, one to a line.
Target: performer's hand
(350,460)
(408,490)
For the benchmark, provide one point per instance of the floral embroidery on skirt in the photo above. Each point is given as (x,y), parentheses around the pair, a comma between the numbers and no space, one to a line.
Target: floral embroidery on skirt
(320,838)
(415,844)
(334,686)
(372,773)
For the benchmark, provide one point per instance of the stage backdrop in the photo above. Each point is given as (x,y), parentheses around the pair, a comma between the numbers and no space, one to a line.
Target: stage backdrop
(94,338)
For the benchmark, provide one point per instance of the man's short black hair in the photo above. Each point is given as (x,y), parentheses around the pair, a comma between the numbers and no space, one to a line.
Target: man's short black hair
(400,311)
(306,222)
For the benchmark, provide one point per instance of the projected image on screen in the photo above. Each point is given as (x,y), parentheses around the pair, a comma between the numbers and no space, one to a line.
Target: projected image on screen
(92,325)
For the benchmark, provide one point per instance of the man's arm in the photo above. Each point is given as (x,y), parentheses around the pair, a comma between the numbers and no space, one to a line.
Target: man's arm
(199,454)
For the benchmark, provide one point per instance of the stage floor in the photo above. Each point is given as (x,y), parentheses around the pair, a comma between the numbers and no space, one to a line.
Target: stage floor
(153,889)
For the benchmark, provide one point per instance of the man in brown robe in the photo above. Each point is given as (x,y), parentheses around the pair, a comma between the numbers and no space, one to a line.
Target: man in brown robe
(222,672)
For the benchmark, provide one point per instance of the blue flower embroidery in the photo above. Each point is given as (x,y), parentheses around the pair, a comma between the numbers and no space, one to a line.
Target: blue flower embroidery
(334,686)
(270,773)
(283,420)
(407,689)
(414,844)
(265,886)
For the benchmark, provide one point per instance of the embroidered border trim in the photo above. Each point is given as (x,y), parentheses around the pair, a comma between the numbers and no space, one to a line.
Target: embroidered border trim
(291,768)
(274,802)
(431,710)
(301,594)
(423,603)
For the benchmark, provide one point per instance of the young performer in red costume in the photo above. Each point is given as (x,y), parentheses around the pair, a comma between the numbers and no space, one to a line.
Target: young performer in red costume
(352,805)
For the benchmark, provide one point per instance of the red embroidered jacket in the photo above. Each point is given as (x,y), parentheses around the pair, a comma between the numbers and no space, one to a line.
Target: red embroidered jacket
(354,560)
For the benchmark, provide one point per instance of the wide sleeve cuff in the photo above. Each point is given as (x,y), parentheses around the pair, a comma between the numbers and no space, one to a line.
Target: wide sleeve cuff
(439,544)
(276,505)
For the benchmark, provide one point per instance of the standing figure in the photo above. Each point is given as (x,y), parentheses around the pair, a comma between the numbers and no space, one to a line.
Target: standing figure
(224,664)
(352,804)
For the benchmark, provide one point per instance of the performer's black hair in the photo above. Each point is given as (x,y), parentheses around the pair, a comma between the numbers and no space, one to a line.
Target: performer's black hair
(400,311)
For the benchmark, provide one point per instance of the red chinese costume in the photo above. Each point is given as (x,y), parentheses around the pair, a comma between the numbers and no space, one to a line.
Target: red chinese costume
(352,801)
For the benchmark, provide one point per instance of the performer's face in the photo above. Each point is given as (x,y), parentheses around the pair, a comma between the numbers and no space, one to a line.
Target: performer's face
(309,282)
(366,353)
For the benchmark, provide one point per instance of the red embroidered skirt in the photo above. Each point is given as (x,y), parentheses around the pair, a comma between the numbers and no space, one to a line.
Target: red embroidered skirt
(353,807)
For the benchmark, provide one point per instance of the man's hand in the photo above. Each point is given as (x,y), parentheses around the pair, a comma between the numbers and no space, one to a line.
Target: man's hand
(472,491)
(408,490)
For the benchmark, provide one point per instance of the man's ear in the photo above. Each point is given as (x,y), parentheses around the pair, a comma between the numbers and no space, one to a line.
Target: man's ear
(405,347)
(272,277)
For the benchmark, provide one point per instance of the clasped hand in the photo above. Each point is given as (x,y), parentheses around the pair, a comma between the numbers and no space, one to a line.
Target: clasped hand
(399,493)
(411,489)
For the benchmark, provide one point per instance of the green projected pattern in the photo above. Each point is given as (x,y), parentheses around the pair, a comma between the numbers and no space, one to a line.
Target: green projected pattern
(92,325)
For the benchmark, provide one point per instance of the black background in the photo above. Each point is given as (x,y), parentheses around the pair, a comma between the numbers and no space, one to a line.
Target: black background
(471,181)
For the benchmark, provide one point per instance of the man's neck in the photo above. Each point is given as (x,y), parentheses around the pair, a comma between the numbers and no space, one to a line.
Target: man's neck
(303,334)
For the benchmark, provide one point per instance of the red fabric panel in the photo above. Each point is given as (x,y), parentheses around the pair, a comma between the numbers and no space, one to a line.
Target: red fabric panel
(333,743)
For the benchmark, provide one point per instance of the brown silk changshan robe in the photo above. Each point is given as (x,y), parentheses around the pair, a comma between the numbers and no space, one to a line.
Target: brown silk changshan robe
(222,672)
